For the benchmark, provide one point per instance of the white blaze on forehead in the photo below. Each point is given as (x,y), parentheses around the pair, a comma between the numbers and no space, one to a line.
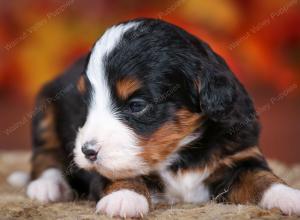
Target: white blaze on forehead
(95,68)
(101,111)
(116,142)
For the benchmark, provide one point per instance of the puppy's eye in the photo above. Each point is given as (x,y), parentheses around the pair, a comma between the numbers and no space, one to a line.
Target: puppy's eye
(136,106)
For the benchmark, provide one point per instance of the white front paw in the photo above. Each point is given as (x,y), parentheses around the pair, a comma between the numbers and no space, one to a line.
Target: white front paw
(50,187)
(123,203)
(283,197)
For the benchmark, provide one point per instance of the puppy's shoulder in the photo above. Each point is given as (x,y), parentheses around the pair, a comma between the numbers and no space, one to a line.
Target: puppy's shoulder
(67,80)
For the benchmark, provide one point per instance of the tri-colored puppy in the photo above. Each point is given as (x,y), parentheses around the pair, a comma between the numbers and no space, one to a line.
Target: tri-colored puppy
(151,115)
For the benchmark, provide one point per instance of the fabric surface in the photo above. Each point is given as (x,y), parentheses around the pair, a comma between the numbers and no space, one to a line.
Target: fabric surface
(15,205)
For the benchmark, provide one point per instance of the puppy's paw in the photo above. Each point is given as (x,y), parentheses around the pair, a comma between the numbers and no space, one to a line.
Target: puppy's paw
(50,187)
(123,203)
(283,197)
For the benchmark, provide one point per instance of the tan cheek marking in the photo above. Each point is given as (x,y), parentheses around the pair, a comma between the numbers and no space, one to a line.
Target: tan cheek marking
(126,87)
(81,85)
(164,141)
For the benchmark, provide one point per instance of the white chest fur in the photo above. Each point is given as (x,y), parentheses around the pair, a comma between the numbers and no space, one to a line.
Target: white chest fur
(186,186)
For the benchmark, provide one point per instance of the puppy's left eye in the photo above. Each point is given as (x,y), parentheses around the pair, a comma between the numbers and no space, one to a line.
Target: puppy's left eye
(137,105)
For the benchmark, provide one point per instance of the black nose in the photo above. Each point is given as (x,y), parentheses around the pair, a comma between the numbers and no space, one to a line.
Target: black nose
(88,152)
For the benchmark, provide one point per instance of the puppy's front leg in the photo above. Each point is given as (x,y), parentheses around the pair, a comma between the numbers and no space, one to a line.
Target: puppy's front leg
(262,187)
(48,182)
(125,198)
(245,178)
(267,190)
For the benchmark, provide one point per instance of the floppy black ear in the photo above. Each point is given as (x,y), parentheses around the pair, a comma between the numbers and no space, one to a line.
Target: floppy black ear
(218,87)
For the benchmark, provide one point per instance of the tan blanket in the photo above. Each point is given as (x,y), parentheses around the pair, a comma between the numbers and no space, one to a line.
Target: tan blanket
(15,205)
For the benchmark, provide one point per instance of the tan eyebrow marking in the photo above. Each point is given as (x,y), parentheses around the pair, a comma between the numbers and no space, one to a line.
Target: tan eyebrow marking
(81,85)
(126,87)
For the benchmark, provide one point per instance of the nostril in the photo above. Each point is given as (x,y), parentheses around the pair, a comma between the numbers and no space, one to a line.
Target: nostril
(89,153)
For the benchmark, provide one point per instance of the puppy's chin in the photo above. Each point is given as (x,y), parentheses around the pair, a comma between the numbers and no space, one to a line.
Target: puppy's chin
(114,174)
(119,174)
(113,169)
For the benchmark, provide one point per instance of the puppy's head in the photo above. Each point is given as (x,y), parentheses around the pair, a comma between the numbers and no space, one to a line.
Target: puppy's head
(150,86)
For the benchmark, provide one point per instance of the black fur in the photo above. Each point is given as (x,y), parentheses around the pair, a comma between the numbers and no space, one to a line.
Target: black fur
(163,56)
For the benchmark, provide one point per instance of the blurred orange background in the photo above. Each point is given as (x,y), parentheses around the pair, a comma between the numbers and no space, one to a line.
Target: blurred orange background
(259,39)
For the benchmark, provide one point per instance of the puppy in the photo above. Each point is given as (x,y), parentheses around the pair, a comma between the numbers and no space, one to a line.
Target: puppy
(151,115)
